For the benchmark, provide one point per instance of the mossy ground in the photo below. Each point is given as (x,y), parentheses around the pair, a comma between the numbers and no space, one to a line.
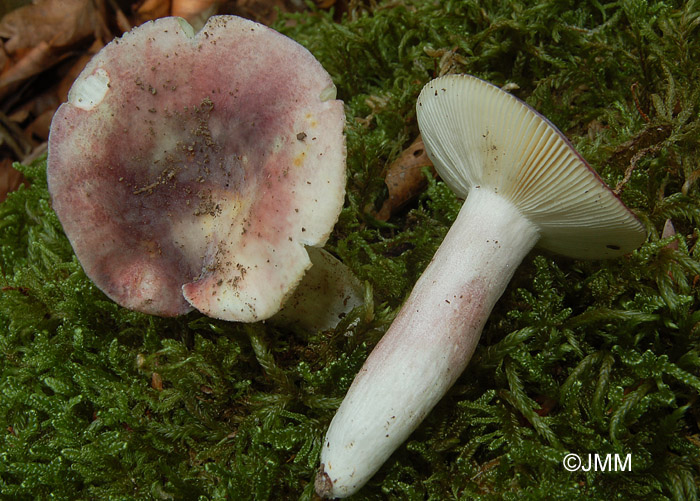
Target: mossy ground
(97,402)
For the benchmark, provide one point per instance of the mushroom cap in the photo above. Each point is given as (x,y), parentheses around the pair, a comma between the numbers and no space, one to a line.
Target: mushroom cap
(479,136)
(327,293)
(193,169)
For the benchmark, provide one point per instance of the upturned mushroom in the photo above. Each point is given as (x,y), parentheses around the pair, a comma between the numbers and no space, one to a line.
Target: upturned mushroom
(192,170)
(524,185)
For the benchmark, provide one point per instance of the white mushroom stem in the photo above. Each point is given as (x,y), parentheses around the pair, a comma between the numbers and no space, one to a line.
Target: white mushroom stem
(429,344)
(524,185)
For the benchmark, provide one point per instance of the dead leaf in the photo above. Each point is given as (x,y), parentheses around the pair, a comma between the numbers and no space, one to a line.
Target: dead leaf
(196,12)
(57,23)
(43,34)
(34,62)
(405,179)
(119,17)
(39,128)
(10,179)
(4,60)
(152,9)
(156,381)
(12,136)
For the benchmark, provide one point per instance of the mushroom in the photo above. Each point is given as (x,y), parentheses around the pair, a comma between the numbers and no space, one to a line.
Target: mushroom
(191,170)
(326,294)
(526,186)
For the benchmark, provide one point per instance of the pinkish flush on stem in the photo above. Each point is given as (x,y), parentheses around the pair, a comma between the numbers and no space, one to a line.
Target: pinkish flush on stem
(524,185)
(194,169)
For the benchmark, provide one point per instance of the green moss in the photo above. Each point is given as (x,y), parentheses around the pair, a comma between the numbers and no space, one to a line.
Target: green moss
(587,357)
